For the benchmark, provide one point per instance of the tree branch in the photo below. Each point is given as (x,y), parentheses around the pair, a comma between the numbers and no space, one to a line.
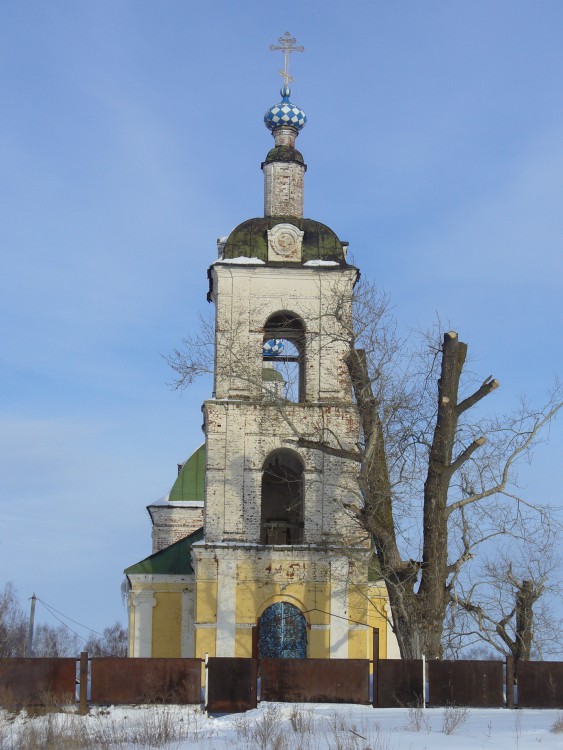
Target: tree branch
(464,455)
(488,385)
(500,486)
(328,450)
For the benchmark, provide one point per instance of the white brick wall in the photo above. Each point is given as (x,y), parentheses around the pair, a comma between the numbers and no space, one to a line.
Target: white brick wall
(242,427)
(246,297)
(283,189)
(172,523)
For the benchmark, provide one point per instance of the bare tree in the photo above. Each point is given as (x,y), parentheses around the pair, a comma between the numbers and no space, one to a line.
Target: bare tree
(55,641)
(436,479)
(13,623)
(112,642)
(509,603)
(52,640)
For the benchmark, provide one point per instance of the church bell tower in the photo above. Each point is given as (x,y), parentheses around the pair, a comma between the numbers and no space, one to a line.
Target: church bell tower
(280,568)
(277,535)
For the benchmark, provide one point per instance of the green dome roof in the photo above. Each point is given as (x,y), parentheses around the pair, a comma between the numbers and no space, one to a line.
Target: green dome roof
(250,239)
(190,483)
(271,375)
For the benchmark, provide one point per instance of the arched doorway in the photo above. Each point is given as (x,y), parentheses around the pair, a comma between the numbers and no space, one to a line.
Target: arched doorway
(282,632)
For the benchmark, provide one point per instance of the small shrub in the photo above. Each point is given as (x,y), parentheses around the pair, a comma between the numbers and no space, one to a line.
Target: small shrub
(50,703)
(342,734)
(8,700)
(266,732)
(302,720)
(418,720)
(453,718)
(558,725)
(242,727)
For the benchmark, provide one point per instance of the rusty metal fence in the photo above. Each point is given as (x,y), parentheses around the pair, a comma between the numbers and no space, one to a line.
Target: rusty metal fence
(120,681)
(478,684)
(397,682)
(236,684)
(232,684)
(540,684)
(315,680)
(38,681)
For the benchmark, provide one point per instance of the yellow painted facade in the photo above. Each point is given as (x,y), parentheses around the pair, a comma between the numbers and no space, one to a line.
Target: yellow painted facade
(167,624)
(365,607)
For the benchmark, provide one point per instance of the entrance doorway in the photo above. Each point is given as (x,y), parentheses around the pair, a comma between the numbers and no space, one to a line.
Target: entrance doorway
(282,632)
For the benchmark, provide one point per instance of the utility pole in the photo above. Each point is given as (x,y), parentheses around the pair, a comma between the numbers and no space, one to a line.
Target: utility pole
(29,642)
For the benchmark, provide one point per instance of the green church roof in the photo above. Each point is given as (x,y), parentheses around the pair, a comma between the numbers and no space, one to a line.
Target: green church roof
(190,483)
(172,560)
(270,375)
(250,239)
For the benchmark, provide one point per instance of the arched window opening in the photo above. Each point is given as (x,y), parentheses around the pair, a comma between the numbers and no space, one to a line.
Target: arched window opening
(282,632)
(282,499)
(283,352)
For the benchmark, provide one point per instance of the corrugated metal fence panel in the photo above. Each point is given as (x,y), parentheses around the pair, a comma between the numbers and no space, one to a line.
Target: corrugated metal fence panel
(466,683)
(399,682)
(315,680)
(37,681)
(540,684)
(146,680)
(231,684)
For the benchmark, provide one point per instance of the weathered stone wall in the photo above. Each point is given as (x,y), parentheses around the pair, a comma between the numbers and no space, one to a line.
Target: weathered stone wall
(241,435)
(243,427)
(246,297)
(283,189)
(172,523)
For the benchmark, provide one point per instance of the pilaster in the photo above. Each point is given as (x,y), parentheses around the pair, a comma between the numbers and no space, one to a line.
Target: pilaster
(143,602)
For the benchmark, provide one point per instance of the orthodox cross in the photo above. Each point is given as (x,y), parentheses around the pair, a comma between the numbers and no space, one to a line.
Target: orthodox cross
(286,41)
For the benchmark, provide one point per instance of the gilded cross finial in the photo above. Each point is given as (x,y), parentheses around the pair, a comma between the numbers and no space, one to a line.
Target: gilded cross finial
(286,43)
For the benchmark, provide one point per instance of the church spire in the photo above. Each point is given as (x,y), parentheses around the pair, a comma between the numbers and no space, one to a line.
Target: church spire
(284,167)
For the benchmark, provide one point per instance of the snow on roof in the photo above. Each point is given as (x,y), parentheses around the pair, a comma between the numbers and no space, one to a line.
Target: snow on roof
(320,262)
(164,502)
(242,261)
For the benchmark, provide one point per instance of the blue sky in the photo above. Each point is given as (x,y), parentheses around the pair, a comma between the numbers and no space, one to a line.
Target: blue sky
(132,138)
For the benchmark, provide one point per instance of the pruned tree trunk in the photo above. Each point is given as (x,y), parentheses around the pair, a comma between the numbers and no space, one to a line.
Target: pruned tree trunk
(525,599)
(418,592)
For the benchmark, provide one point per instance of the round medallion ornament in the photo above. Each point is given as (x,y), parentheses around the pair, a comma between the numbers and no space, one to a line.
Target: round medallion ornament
(284,242)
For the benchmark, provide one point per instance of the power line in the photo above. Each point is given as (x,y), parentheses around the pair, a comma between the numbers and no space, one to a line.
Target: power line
(52,611)
(62,622)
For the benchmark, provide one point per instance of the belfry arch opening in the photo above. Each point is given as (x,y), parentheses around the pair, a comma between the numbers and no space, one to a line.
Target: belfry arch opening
(283,355)
(281,519)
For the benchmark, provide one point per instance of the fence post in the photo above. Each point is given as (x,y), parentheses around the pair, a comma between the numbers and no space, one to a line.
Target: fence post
(206,677)
(510,681)
(83,686)
(375,677)
(254,650)
(423,680)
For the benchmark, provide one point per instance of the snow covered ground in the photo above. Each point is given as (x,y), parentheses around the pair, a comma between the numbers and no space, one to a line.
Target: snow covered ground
(283,726)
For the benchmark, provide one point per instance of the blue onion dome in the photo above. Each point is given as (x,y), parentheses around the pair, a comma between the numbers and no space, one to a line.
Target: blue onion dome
(285,113)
